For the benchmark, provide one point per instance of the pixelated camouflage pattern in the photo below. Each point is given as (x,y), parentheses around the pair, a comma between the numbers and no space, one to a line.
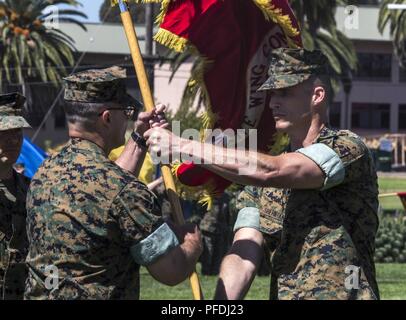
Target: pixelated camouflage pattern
(290,67)
(314,235)
(11,106)
(216,235)
(13,238)
(84,213)
(98,86)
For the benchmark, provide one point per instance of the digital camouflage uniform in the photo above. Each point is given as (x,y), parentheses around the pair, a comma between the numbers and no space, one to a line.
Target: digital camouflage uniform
(13,237)
(215,227)
(93,221)
(314,235)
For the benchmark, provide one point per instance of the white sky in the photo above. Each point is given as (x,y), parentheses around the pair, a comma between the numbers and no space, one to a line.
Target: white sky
(91,8)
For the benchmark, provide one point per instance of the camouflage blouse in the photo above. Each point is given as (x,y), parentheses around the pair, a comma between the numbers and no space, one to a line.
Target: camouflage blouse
(13,238)
(322,242)
(84,214)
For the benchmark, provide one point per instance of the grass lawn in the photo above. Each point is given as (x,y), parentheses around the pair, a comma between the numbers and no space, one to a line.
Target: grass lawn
(390,185)
(391,279)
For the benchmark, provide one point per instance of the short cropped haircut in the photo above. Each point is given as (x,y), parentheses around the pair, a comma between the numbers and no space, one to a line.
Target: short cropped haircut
(83,113)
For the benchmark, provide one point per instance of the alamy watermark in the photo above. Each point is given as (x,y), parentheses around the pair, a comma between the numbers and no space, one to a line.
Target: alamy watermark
(352,281)
(221,147)
(351,21)
(51,17)
(51,277)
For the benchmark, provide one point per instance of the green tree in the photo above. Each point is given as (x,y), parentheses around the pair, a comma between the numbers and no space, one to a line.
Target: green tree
(396,20)
(29,49)
(319,31)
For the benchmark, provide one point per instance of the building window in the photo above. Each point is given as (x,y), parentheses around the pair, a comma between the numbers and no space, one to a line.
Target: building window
(374,67)
(35,117)
(370,116)
(402,116)
(335,115)
(402,75)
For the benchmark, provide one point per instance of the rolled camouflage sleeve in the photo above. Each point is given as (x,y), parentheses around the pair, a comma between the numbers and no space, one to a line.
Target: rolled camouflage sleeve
(248,206)
(336,158)
(143,229)
(328,161)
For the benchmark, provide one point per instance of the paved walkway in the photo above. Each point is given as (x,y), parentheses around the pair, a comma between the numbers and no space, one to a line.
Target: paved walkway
(399,175)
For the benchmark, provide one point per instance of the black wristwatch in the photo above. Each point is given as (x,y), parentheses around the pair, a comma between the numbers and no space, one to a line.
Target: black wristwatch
(140,141)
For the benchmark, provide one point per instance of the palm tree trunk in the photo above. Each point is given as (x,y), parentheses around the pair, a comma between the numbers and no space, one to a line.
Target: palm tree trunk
(26,92)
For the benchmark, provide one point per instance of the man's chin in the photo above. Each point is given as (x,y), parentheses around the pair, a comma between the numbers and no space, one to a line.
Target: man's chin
(282,127)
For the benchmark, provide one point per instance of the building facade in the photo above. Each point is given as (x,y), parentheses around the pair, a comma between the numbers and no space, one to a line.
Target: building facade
(376,104)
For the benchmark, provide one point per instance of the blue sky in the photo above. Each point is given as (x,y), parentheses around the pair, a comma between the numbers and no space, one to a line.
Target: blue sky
(91,8)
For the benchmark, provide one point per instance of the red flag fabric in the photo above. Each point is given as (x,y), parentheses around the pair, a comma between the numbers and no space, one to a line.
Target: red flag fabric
(235,38)
(402,196)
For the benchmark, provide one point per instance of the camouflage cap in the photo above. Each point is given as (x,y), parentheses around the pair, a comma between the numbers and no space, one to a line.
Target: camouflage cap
(11,107)
(290,67)
(98,86)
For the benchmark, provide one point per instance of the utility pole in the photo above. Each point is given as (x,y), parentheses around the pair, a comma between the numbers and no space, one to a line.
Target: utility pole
(149,45)
(347,85)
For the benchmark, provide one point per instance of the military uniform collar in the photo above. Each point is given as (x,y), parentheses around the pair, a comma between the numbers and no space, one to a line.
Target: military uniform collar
(325,133)
(86,145)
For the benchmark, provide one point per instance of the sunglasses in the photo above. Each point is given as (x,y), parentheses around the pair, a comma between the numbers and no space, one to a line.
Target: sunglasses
(130,112)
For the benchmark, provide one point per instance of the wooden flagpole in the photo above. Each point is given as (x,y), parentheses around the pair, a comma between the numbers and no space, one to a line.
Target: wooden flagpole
(149,105)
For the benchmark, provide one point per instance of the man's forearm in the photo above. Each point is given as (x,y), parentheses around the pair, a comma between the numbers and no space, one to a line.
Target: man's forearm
(174,267)
(235,279)
(132,158)
(240,166)
(191,252)
(240,265)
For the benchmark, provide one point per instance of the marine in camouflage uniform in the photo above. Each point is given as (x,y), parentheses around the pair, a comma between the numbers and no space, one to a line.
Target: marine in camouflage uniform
(216,232)
(88,219)
(319,240)
(13,192)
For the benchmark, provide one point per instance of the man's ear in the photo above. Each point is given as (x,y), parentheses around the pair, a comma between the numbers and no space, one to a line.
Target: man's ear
(106,117)
(319,95)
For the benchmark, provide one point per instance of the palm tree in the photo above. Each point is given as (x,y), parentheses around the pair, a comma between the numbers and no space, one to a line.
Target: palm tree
(29,49)
(396,20)
(319,31)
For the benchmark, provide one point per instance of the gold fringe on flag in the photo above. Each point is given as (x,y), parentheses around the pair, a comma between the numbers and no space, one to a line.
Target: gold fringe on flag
(209,118)
(164,10)
(277,16)
(204,194)
(115,2)
(171,40)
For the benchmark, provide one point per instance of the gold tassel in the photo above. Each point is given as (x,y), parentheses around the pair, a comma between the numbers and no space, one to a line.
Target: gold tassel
(276,15)
(164,10)
(171,40)
(175,166)
(209,194)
